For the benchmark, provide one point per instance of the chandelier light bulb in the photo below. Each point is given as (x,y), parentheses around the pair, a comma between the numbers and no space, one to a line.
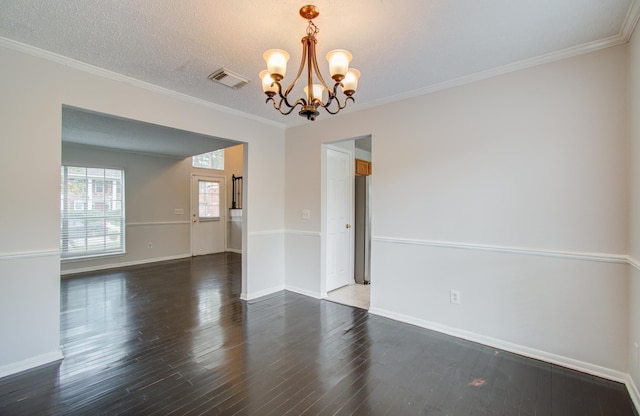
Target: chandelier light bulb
(268,86)
(318,89)
(338,63)
(276,63)
(350,81)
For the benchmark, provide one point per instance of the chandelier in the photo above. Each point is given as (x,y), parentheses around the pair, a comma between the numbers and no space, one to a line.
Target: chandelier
(344,77)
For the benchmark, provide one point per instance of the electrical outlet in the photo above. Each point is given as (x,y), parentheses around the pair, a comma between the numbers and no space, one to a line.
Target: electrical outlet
(306,214)
(149,245)
(454,297)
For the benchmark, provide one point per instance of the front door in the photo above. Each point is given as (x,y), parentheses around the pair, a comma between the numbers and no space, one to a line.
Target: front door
(339,206)
(208,215)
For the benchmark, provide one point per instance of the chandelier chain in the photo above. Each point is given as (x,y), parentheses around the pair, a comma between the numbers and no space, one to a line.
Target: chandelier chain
(312,29)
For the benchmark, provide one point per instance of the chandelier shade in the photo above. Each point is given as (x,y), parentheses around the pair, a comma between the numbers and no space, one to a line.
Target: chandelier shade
(314,91)
(276,63)
(338,63)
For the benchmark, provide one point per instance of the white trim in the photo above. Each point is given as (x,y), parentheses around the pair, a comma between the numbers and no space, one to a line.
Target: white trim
(630,20)
(302,232)
(38,360)
(29,255)
(101,72)
(574,255)
(633,262)
(234,250)
(146,224)
(124,264)
(567,362)
(633,391)
(261,293)
(265,232)
(305,292)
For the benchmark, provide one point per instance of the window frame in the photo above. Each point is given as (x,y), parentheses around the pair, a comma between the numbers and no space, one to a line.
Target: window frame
(194,158)
(215,218)
(88,218)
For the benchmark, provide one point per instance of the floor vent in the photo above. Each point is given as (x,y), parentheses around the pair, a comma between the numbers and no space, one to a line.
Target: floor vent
(228,78)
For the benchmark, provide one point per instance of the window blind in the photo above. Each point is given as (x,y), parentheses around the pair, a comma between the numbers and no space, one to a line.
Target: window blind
(92,212)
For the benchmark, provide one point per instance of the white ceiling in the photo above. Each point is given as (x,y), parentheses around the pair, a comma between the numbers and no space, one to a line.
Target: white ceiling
(101,130)
(402,48)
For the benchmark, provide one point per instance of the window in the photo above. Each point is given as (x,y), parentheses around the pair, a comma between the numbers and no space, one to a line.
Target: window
(211,160)
(92,214)
(208,200)
(98,186)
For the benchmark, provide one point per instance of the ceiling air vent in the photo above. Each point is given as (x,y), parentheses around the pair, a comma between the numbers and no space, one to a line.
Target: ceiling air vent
(228,78)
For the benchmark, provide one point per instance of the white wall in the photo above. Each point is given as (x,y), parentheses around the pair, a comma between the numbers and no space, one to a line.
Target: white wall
(33,92)
(634,190)
(154,187)
(232,166)
(512,190)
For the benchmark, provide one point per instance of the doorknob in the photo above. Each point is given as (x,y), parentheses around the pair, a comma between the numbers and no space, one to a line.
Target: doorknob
(348,226)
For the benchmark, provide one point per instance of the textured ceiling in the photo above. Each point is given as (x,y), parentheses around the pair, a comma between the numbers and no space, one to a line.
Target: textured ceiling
(401,47)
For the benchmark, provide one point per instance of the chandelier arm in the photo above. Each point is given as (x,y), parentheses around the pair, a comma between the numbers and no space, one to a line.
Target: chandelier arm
(340,107)
(284,99)
(305,51)
(278,106)
(333,95)
(314,63)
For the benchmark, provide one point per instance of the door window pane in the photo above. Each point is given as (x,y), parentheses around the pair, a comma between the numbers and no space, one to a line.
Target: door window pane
(208,199)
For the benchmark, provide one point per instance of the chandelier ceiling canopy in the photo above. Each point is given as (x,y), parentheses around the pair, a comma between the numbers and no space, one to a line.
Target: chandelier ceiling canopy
(317,92)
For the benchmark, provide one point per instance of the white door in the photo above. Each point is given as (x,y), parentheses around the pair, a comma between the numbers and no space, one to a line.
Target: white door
(208,220)
(339,231)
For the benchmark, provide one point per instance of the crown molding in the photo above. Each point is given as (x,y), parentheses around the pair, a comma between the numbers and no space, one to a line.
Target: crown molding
(494,72)
(104,73)
(630,20)
(626,31)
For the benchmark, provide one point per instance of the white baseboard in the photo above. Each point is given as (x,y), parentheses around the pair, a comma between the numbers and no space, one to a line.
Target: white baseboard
(234,250)
(305,292)
(567,362)
(123,264)
(261,293)
(633,392)
(29,363)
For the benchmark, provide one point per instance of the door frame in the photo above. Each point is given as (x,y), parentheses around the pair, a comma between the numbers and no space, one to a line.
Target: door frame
(223,209)
(324,240)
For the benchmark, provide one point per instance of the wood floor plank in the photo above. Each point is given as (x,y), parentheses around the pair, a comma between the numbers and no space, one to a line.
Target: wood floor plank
(174,338)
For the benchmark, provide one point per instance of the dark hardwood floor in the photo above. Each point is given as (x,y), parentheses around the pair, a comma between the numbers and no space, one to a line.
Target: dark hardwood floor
(174,339)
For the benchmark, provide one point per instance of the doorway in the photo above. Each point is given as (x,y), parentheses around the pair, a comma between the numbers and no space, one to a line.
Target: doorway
(347,222)
(158,164)
(208,215)
(339,217)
